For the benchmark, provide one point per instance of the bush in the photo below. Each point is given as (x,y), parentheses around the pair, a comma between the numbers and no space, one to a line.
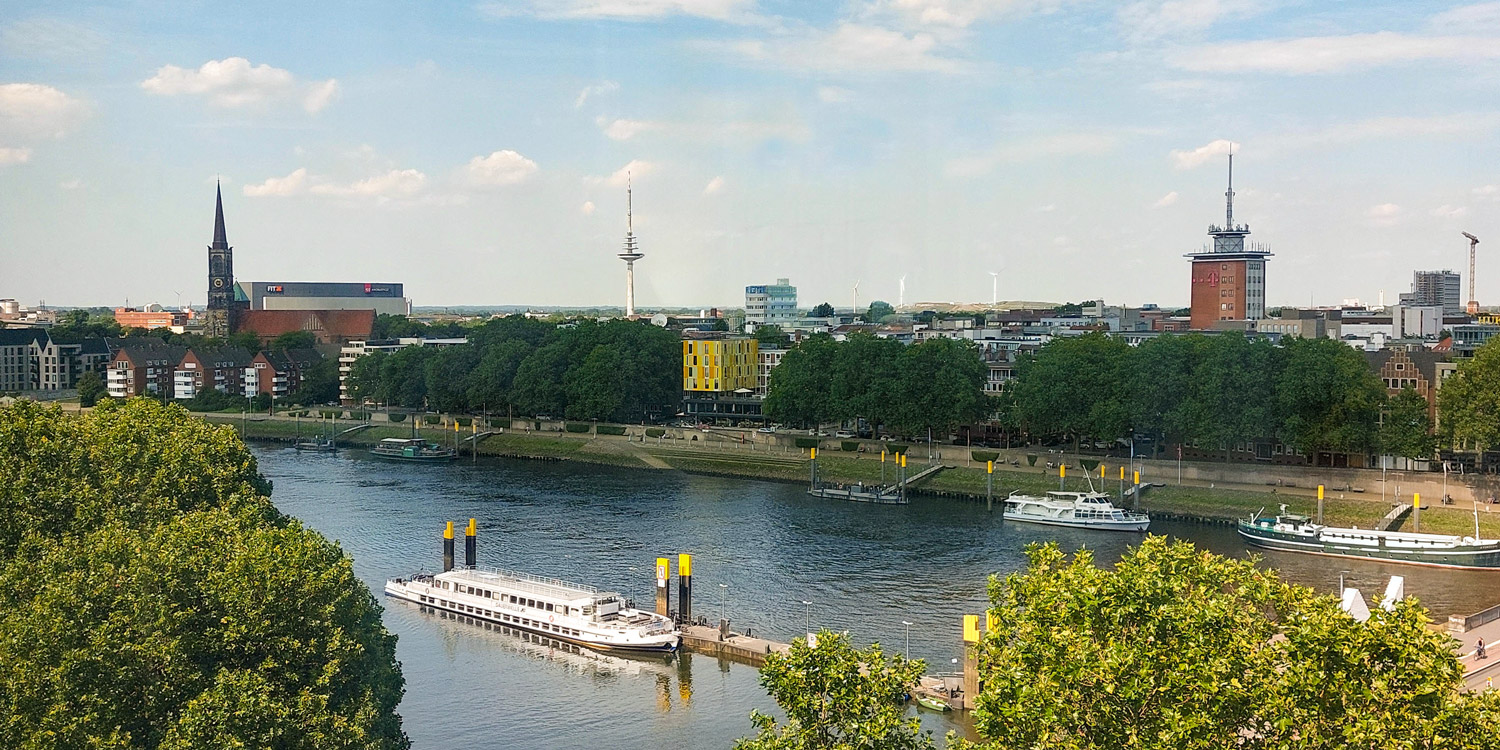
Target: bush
(500,423)
(327,414)
(802,442)
(360,415)
(465,421)
(984,455)
(897,448)
(849,446)
(655,432)
(1088,464)
(577,427)
(397,417)
(432,419)
(610,429)
(1031,459)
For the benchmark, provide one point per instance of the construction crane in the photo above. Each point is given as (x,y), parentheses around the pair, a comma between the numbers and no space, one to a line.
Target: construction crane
(1473,307)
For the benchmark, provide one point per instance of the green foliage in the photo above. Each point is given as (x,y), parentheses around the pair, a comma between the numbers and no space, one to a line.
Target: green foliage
(243,340)
(610,429)
(1178,648)
(464,421)
(501,423)
(1327,397)
(897,448)
(431,419)
(577,427)
(1031,459)
(801,386)
(984,456)
(152,597)
(806,442)
(319,385)
(655,432)
(397,416)
(837,697)
(772,337)
(879,311)
(360,415)
(823,310)
(292,340)
(210,399)
(1469,401)
(74,326)
(849,446)
(90,389)
(1074,386)
(330,413)
(261,402)
(1406,426)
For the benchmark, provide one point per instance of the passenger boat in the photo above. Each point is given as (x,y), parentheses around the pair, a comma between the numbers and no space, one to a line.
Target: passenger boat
(412,449)
(568,612)
(1081,510)
(1293,533)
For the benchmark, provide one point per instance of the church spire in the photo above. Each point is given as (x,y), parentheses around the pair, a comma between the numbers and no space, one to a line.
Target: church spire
(221,241)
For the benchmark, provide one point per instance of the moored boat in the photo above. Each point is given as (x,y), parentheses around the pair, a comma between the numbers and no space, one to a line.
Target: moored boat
(1082,510)
(565,611)
(412,449)
(1290,532)
(933,703)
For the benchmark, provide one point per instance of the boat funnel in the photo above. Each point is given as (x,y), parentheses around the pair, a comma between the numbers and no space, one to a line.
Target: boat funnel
(448,548)
(470,545)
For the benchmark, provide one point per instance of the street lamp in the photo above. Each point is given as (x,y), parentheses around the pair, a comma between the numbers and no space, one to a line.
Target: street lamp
(807,613)
(723,596)
(906,652)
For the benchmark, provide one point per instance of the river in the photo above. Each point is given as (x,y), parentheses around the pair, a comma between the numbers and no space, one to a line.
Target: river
(759,550)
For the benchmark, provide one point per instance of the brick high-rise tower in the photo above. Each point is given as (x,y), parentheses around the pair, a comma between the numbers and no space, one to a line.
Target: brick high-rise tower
(1229,281)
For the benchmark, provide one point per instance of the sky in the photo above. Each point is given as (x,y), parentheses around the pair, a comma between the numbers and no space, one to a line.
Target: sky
(478,153)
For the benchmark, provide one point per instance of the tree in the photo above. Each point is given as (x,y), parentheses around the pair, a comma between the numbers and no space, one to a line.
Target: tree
(396,326)
(1406,426)
(1233,397)
(879,311)
(261,402)
(90,388)
(866,376)
(801,386)
(1469,401)
(1327,398)
(319,384)
(538,387)
(596,388)
(1160,382)
(836,696)
(364,383)
(77,325)
(772,337)
(1179,648)
(293,340)
(1075,386)
(940,386)
(823,310)
(244,340)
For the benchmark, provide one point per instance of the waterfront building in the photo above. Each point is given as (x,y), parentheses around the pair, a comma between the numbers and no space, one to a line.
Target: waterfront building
(767,360)
(142,366)
(1228,280)
(720,365)
(1470,336)
(1440,288)
(18,370)
(279,373)
(385,298)
(1420,370)
(770,304)
(221,369)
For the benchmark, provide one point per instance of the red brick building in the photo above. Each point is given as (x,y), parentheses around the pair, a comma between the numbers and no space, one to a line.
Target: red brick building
(142,367)
(1229,280)
(280,373)
(221,369)
(326,326)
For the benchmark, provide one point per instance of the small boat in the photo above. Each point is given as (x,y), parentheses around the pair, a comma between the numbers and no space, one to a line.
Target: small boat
(1081,510)
(316,445)
(862,493)
(565,611)
(933,703)
(1289,532)
(412,449)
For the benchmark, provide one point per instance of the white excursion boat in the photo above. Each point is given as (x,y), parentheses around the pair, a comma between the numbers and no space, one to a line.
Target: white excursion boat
(565,611)
(1081,510)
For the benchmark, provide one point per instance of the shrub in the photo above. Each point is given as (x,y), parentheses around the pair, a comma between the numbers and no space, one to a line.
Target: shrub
(610,429)
(576,427)
(397,417)
(849,446)
(985,455)
(655,432)
(465,421)
(326,414)
(1088,464)
(432,419)
(1031,459)
(500,423)
(802,442)
(897,448)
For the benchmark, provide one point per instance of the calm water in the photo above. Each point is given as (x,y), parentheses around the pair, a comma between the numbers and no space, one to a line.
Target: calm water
(865,569)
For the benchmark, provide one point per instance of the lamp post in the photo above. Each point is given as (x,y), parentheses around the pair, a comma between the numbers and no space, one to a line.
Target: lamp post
(906,652)
(723,597)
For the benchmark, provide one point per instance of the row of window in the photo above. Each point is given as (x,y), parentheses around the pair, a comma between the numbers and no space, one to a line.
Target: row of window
(502,616)
(516,600)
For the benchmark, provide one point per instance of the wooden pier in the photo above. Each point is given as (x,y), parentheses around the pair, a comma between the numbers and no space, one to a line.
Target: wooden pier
(702,639)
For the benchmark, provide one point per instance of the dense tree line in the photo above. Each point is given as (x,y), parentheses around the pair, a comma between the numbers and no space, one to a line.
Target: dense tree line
(151,596)
(937,384)
(1172,648)
(618,370)
(1215,391)
(1469,403)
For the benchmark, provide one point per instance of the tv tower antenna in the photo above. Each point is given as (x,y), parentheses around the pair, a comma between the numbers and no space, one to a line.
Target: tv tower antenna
(1473,307)
(629,252)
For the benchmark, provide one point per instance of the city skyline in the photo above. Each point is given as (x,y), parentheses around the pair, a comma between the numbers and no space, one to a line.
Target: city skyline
(480,153)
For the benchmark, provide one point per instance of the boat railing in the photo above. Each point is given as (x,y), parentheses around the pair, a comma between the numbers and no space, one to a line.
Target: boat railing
(531,578)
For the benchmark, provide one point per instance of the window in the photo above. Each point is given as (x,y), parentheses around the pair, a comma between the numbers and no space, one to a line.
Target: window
(549,608)
(531,603)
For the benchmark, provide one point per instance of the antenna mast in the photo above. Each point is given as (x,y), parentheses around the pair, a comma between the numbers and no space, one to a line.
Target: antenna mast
(1229,196)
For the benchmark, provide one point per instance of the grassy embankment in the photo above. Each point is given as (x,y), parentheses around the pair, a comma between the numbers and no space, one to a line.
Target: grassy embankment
(1183,501)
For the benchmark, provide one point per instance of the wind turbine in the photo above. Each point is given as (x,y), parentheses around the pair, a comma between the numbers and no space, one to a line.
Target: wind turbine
(856,296)
(901,292)
(994,288)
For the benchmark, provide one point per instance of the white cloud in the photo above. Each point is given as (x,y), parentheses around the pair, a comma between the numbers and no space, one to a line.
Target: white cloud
(1332,54)
(397,183)
(624,130)
(292,184)
(72,184)
(498,169)
(957,14)
(234,82)
(587,208)
(14,155)
(713,186)
(636,169)
(605,87)
(1377,128)
(1165,200)
(34,110)
(1384,214)
(51,38)
(1449,212)
(849,48)
(1155,19)
(1201,155)
(724,10)
(736,132)
(1487,192)
(834,94)
(1468,19)
(1029,149)
(1047,209)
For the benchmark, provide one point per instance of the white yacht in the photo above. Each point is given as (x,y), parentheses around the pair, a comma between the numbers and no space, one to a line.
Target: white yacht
(1082,510)
(565,611)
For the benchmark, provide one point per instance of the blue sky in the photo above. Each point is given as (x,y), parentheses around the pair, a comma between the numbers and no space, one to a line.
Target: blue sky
(477,152)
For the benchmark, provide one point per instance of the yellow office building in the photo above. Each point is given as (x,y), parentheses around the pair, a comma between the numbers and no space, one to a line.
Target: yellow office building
(720,365)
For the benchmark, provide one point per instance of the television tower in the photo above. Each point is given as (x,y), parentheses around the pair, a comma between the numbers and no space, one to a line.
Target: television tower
(629,253)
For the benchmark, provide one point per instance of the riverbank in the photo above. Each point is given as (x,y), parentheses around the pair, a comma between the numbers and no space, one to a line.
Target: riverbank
(1196,504)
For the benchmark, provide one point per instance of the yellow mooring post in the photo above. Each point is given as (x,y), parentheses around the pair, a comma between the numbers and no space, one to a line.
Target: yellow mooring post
(663,591)
(882,466)
(1416,512)
(1062,475)
(812,479)
(684,588)
(448,548)
(1320,503)
(989,486)
(471,549)
(1122,486)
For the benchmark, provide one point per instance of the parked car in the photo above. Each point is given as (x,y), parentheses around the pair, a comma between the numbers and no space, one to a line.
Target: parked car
(844,434)
(767,430)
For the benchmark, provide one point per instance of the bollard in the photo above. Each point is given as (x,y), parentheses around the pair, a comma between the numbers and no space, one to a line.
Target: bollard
(471,550)
(971,660)
(989,486)
(663,591)
(1416,513)
(685,588)
(1320,503)
(448,548)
